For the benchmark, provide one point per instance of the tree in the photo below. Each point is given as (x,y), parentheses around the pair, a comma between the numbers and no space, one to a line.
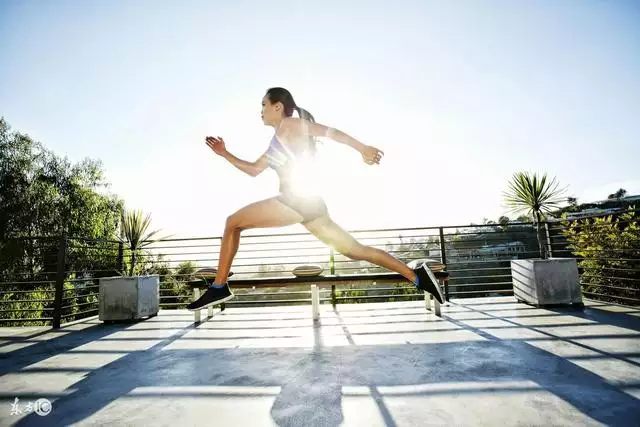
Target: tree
(537,196)
(504,220)
(618,194)
(42,194)
(43,197)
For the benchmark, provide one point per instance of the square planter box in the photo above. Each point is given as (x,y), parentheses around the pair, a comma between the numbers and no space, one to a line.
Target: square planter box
(540,282)
(129,298)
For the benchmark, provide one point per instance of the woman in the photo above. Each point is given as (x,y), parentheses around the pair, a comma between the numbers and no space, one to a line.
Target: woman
(288,154)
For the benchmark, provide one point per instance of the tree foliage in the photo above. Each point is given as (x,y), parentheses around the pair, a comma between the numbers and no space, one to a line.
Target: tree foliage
(42,194)
(618,194)
(608,251)
(42,197)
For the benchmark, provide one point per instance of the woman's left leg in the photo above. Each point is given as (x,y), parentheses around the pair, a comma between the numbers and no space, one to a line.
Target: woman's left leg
(333,235)
(265,213)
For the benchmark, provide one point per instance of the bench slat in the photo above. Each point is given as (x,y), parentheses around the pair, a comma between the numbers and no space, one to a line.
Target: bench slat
(322,280)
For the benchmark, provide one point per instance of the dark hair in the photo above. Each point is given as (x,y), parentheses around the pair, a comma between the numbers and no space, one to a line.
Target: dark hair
(279,94)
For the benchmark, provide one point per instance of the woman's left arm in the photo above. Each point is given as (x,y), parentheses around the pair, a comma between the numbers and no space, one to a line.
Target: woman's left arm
(370,154)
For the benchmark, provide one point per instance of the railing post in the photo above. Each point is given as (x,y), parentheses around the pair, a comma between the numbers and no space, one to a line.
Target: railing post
(60,275)
(120,259)
(333,296)
(548,235)
(332,270)
(443,260)
(315,302)
(332,262)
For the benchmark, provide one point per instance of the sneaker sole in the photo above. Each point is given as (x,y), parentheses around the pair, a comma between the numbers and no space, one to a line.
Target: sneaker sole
(434,281)
(220,301)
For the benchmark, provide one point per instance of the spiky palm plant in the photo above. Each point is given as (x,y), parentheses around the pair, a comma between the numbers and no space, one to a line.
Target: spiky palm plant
(536,196)
(135,235)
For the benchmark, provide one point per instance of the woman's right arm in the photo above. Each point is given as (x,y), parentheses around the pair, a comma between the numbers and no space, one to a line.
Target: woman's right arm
(250,168)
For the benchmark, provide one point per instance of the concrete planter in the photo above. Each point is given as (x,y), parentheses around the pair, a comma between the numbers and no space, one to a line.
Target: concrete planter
(540,282)
(129,298)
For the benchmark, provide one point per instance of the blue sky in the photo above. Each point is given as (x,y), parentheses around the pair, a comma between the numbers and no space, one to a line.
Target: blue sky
(459,95)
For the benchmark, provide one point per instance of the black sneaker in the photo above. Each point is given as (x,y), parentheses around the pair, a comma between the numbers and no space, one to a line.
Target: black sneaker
(211,297)
(428,282)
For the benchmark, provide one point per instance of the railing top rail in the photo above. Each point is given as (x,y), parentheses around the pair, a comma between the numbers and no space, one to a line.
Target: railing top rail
(364,230)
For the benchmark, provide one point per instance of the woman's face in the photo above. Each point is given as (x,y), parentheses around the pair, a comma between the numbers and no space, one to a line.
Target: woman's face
(270,112)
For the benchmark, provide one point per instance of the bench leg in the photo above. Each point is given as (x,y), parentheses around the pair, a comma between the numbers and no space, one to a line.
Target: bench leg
(196,314)
(315,302)
(210,311)
(437,283)
(436,304)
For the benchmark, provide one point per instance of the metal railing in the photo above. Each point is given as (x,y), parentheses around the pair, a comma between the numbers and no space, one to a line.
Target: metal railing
(477,257)
(607,249)
(56,280)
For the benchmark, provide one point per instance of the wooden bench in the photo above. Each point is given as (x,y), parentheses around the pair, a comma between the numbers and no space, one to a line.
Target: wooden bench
(315,283)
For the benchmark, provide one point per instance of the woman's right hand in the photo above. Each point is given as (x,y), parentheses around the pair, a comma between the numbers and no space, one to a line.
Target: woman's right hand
(216,144)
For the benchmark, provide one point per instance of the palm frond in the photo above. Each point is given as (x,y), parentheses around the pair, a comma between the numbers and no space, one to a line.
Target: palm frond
(135,230)
(532,194)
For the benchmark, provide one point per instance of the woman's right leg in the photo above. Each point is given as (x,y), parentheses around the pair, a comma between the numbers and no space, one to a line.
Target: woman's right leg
(262,214)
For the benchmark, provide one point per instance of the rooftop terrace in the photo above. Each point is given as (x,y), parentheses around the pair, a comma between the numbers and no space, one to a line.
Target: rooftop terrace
(374,357)
(486,361)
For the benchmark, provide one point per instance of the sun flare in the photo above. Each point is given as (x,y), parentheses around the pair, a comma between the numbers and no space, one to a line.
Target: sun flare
(306,178)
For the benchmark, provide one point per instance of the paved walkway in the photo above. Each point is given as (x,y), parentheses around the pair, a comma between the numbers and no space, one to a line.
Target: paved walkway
(486,362)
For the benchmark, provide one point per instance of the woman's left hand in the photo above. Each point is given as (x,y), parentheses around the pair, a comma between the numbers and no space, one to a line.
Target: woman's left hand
(371,155)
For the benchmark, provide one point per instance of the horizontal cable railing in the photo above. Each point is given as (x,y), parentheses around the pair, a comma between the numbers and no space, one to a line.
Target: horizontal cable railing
(56,280)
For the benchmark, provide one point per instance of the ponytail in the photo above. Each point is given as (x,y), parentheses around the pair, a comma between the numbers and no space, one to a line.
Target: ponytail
(305,115)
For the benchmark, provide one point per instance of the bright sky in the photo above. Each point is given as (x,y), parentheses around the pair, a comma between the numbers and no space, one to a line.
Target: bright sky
(459,95)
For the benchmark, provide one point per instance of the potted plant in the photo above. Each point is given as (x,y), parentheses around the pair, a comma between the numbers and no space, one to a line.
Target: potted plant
(544,280)
(131,296)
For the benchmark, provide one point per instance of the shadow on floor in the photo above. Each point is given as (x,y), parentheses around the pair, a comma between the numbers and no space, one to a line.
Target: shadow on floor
(312,379)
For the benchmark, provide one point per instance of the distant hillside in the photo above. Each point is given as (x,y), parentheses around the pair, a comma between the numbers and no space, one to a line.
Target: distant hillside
(615,202)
